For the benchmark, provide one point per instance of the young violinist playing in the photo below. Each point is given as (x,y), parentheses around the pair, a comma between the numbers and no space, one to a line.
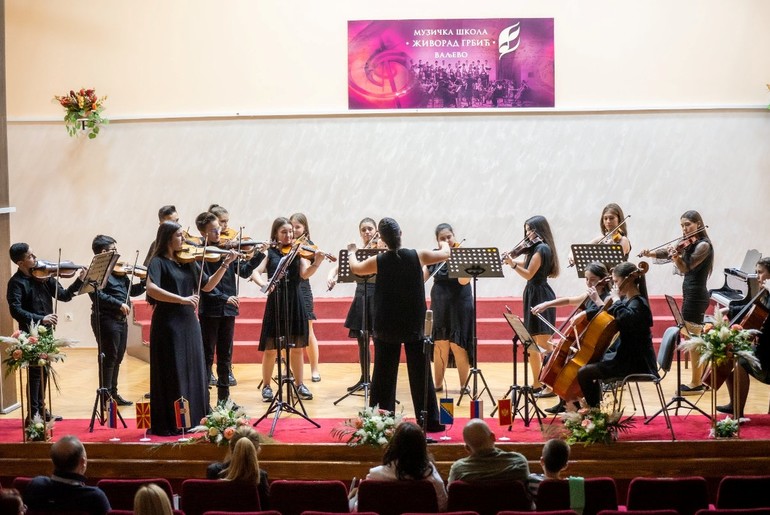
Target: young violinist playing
(177,365)
(165,214)
(219,307)
(301,227)
(29,299)
(612,231)
(540,262)
(295,319)
(589,304)
(629,305)
(693,258)
(354,321)
(761,351)
(109,323)
(452,303)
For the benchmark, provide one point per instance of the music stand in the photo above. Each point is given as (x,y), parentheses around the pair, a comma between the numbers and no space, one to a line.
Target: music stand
(585,253)
(278,283)
(678,399)
(96,279)
(344,275)
(475,263)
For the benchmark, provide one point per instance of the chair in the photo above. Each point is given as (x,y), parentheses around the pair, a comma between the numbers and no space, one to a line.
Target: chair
(20,483)
(734,511)
(743,492)
(488,497)
(665,357)
(600,494)
(457,513)
(202,495)
(397,497)
(121,492)
(311,512)
(638,512)
(554,512)
(686,495)
(292,497)
(266,512)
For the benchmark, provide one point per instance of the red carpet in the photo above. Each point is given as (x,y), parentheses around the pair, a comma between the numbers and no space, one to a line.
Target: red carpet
(293,429)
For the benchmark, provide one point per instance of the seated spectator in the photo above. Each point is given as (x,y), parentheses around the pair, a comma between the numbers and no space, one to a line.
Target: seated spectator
(219,470)
(554,460)
(486,461)
(406,458)
(244,467)
(152,500)
(66,488)
(11,502)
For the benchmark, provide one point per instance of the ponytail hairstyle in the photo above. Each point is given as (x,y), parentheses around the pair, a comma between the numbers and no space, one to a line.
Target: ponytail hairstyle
(625,269)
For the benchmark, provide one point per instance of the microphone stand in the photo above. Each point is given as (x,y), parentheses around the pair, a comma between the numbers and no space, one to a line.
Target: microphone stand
(427,348)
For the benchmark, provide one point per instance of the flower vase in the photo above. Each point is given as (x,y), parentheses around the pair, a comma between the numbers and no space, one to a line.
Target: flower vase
(27,418)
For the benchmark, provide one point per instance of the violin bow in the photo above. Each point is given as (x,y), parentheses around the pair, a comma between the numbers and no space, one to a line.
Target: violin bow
(608,237)
(56,285)
(680,238)
(238,266)
(441,265)
(133,274)
(203,263)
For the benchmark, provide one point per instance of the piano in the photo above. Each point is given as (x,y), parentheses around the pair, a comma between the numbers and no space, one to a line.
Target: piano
(741,284)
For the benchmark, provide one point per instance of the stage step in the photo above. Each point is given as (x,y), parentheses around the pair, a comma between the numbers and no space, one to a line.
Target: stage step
(494,333)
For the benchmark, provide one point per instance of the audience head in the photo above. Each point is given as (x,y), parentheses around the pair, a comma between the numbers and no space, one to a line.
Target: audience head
(11,502)
(555,457)
(244,465)
(408,450)
(151,499)
(247,432)
(478,437)
(69,455)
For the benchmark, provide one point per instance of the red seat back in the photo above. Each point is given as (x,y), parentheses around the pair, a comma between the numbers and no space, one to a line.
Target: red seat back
(600,494)
(744,492)
(292,497)
(202,495)
(686,495)
(487,497)
(121,492)
(397,497)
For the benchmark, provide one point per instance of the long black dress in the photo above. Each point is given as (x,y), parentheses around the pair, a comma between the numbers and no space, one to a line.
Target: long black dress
(177,365)
(695,295)
(288,290)
(538,291)
(452,305)
(307,296)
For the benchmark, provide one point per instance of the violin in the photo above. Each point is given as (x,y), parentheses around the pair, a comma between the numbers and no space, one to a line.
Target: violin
(307,251)
(45,269)
(122,268)
(523,246)
(615,235)
(190,253)
(685,241)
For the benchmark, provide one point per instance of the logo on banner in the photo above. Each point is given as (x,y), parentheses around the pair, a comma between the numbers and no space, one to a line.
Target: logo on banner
(112,413)
(504,412)
(142,415)
(182,412)
(477,409)
(509,39)
(446,414)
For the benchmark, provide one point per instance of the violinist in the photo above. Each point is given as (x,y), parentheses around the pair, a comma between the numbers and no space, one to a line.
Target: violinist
(452,303)
(301,227)
(219,307)
(177,365)
(761,351)
(540,262)
(589,304)
(354,322)
(612,231)
(693,258)
(109,323)
(165,214)
(629,304)
(295,317)
(30,302)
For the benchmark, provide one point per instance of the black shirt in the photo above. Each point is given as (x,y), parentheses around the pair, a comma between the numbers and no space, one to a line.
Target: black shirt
(65,491)
(114,294)
(399,295)
(214,302)
(31,300)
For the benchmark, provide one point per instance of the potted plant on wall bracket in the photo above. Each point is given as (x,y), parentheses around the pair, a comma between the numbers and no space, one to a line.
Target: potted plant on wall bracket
(83,112)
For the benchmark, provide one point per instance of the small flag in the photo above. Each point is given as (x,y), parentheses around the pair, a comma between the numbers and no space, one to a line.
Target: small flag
(142,415)
(112,413)
(477,409)
(182,413)
(446,413)
(504,412)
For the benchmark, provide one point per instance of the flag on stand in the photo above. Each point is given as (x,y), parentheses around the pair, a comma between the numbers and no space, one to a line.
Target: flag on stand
(142,414)
(182,413)
(446,414)
(504,412)
(112,413)
(477,409)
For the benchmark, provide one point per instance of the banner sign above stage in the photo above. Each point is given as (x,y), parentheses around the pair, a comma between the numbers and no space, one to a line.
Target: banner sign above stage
(435,64)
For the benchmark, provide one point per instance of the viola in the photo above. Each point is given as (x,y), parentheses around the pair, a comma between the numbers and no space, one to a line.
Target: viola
(44,269)
(122,269)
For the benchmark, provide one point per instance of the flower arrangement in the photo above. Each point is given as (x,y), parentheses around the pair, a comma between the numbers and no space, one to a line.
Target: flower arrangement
(726,428)
(219,426)
(39,347)
(594,425)
(720,342)
(84,110)
(372,426)
(37,430)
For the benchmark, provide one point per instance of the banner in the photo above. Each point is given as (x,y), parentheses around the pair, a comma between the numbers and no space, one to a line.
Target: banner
(477,409)
(446,414)
(504,412)
(112,413)
(142,415)
(182,412)
(443,64)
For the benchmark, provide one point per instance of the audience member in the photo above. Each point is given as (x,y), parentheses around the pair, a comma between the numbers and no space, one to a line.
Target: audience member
(219,470)
(554,460)
(11,502)
(406,458)
(152,500)
(486,461)
(66,488)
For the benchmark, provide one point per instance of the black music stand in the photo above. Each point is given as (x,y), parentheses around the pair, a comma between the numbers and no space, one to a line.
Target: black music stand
(475,263)
(585,253)
(279,284)
(678,399)
(96,279)
(344,275)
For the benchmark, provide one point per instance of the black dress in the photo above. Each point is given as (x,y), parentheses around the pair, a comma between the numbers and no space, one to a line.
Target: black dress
(177,366)
(288,290)
(538,291)
(695,295)
(307,296)
(355,319)
(452,305)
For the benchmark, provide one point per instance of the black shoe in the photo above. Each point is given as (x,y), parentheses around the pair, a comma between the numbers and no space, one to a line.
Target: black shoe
(726,408)
(231,379)
(555,410)
(121,401)
(147,395)
(356,386)
(55,418)
(304,393)
(212,380)
(435,427)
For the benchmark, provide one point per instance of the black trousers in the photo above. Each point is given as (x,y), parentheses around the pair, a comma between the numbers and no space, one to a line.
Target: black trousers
(112,336)
(36,378)
(218,333)
(590,377)
(385,377)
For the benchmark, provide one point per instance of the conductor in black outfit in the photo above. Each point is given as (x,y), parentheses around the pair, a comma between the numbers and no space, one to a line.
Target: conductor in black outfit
(400,298)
